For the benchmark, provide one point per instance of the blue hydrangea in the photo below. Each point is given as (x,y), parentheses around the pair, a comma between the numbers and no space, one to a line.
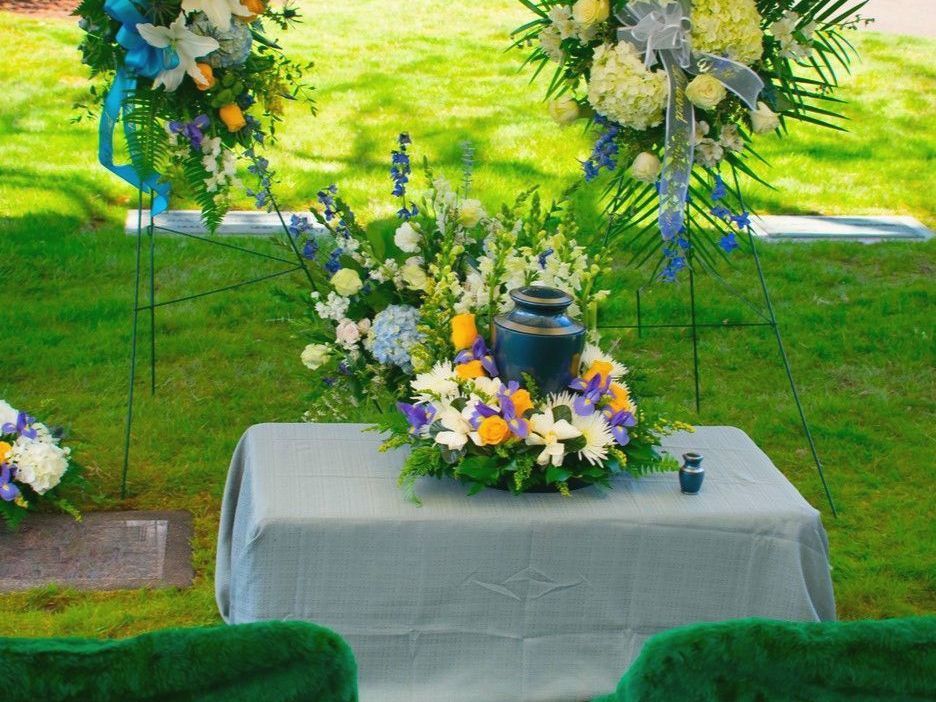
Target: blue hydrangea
(393,334)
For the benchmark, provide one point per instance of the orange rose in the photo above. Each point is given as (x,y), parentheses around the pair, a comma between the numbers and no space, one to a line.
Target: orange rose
(208,74)
(522,402)
(464,331)
(5,449)
(620,398)
(257,7)
(602,368)
(232,116)
(472,369)
(494,430)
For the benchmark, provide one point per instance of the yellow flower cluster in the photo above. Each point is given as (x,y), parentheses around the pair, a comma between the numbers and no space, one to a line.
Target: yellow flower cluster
(623,90)
(728,27)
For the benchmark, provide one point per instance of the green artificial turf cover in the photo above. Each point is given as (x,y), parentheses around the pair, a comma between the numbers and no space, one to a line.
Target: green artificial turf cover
(752,660)
(269,661)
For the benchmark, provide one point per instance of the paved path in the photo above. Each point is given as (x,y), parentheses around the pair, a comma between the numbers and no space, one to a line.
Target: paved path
(916,17)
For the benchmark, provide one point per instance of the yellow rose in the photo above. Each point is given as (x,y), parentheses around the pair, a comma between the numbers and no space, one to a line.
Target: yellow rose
(347,282)
(208,74)
(601,368)
(5,449)
(314,356)
(464,331)
(620,398)
(232,117)
(493,430)
(591,12)
(565,110)
(470,370)
(705,91)
(522,402)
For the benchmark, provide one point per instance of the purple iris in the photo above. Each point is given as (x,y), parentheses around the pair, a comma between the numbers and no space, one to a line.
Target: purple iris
(619,422)
(592,392)
(481,412)
(417,416)
(193,131)
(23,426)
(479,352)
(518,425)
(8,491)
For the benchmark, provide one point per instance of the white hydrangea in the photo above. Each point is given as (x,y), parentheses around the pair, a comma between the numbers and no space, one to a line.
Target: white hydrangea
(40,463)
(623,90)
(729,28)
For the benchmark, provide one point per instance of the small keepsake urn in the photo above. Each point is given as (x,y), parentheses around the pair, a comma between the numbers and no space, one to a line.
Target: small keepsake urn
(691,474)
(538,337)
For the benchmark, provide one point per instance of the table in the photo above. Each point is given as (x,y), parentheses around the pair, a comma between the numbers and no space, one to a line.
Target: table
(497,598)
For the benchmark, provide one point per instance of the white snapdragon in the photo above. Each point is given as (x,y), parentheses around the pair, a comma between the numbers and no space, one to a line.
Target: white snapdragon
(407,238)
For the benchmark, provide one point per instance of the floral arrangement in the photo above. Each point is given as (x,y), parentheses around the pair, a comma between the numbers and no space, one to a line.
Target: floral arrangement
(675,90)
(199,86)
(380,326)
(465,422)
(33,466)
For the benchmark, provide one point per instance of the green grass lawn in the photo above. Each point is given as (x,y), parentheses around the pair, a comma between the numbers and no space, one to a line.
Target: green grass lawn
(858,320)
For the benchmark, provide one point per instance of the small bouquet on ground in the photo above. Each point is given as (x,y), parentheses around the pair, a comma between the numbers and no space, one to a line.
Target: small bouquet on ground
(189,79)
(466,423)
(391,301)
(675,90)
(34,466)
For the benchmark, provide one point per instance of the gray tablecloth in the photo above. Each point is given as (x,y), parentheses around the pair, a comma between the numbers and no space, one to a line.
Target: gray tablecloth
(496,598)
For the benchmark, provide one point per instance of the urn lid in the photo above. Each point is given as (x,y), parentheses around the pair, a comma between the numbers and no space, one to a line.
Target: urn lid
(540,311)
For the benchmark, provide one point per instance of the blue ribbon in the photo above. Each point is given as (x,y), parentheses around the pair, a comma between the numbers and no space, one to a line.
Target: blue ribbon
(141,60)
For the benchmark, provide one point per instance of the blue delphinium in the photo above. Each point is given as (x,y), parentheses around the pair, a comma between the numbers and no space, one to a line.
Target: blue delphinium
(605,153)
(393,333)
(333,264)
(400,168)
(261,169)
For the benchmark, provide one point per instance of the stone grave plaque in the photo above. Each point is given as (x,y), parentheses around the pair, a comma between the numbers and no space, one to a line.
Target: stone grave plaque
(867,230)
(104,551)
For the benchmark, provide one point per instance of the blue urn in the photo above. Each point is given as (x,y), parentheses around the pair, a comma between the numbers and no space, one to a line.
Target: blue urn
(691,474)
(538,337)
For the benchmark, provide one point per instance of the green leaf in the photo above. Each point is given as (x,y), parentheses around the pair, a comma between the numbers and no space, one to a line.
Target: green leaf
(562,412)
(557,474)
(480,468)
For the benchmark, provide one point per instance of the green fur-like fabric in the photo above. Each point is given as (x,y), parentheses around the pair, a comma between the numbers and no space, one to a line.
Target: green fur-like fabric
(757,660)
(268,661)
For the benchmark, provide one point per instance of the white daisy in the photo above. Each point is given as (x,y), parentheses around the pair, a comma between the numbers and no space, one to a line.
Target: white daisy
(597,435)
(437,383)
(592,353)
(562,399)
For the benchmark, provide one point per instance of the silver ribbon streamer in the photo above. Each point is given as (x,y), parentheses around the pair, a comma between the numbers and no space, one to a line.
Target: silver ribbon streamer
(661,32)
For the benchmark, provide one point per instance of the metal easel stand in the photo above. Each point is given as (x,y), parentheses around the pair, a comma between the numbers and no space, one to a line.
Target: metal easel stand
(766,318)
(149,230)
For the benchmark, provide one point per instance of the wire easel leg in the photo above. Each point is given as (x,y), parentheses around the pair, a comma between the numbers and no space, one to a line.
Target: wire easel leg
(152,298)
(133,347)
(789,373)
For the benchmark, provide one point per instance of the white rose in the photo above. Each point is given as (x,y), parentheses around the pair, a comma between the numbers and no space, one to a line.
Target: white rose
(314,356)
(591,12)
(407,238)
(414,276)
(39,463)
(764,119)
(706,91)
(347,333)
(646,167)
(565,110)
(470,213)
(364,326)
(347,282)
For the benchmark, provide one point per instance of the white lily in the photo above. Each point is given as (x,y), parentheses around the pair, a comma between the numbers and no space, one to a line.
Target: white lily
(549,433)
(187,45)
(458,430)
(218,12)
